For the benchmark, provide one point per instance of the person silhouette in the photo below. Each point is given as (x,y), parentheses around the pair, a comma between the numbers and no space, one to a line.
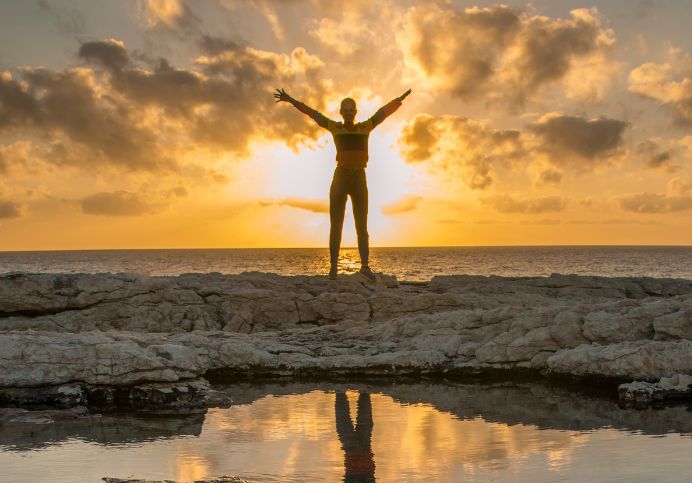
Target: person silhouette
(351,140)
(359,462)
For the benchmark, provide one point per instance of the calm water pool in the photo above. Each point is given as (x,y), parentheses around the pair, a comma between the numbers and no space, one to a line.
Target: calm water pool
(356,432)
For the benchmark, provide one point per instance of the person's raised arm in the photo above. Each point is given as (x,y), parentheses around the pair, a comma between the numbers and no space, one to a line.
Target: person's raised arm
(320,119)
(388,109)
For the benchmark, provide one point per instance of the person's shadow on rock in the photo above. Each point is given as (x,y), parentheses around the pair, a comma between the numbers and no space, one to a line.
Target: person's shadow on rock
(359,463)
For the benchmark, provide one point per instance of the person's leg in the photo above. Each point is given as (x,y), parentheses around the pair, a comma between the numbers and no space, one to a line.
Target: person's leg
(359,199)
(337,210)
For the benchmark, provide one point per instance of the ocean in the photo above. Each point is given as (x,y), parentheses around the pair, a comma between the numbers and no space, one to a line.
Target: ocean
(408,263)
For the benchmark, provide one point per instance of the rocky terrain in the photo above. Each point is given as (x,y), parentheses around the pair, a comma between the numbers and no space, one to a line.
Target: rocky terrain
(69,339)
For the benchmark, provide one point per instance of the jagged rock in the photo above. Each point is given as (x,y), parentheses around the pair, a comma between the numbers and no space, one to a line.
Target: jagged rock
(124,330)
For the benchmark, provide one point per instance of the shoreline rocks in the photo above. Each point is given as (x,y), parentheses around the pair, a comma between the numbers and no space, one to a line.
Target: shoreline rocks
(147,337)
(640,394)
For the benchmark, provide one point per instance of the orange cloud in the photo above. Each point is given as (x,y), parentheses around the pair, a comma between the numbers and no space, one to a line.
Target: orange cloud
(402,205)
(315,206)
(670,84)
(460,148)
(510,204)
(503,52)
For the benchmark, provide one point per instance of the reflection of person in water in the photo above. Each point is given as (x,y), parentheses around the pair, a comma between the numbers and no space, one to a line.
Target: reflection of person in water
(359,463)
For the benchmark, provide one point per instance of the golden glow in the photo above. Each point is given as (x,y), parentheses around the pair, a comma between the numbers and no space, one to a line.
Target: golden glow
(183,146)
(406,439)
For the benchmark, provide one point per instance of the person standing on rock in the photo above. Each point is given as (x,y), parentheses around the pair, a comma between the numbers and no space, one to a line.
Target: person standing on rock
(351,140)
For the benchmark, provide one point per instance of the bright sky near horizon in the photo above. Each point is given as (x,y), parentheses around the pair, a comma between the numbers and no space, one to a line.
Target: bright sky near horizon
(151,123)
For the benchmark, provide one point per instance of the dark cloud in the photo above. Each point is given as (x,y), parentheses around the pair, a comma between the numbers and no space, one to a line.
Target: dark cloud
(70,103)
(117,203)
(213,46)
(564,138)
(548,46)
(404,204)
(472,152)
(655,203)
(549,176)
(659,155)
(9,209)
(110,53)
(18,107)
(460,48)
(315,206)
(662,160)
(460,148)
(509,204)
(121,113)
(500,50)
(227,102)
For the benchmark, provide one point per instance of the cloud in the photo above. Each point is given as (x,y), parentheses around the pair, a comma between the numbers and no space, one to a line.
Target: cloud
(473,152)
(658,154)
(509,204)
(502,51)
(110,53)
(655,203)
(576,141)
(71,104)
(118,203)
(119,112)
(9,209)
(460,148)
(167,14)
(669,83)
(549,176)
(315,206)
(401,205)
(678,197)
(18,107)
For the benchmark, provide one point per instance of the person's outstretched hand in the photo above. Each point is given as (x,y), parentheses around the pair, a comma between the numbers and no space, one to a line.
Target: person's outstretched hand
(282,95)
(403,96)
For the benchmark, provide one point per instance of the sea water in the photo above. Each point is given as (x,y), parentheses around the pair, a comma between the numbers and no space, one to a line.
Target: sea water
(405,263)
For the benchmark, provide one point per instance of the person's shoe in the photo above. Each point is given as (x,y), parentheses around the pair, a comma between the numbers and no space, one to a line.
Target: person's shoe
(365,270)
(332,272)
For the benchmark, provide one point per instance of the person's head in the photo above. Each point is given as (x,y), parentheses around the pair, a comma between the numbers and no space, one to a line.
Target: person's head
(348,109)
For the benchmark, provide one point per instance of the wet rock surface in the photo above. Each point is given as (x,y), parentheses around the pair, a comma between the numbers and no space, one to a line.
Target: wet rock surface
(86,331)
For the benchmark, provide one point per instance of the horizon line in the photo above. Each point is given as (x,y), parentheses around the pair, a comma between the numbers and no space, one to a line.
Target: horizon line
(348,248)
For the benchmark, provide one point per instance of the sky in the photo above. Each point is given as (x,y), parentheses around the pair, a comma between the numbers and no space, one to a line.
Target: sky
(152,123)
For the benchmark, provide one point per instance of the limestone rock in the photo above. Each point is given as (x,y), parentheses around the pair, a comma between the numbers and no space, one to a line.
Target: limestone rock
(106,332)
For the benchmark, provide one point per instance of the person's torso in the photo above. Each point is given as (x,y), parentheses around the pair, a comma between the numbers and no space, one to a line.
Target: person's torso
(351,143)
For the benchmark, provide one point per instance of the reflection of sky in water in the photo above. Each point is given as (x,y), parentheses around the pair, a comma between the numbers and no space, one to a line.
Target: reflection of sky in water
(294,438)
